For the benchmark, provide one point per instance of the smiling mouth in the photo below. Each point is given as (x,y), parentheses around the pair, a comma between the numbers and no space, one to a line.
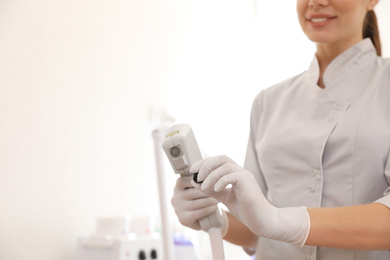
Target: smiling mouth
(320,19)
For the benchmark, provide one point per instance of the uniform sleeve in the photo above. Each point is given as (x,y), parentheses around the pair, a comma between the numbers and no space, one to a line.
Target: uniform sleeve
(251,160)
(386,195)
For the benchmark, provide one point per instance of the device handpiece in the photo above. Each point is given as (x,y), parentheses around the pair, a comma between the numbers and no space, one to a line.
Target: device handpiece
(183,151)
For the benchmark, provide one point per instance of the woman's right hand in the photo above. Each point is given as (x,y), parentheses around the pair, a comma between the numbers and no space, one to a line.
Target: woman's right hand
(191,204)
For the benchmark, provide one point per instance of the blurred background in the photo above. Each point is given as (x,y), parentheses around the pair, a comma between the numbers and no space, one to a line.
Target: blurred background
(83,83)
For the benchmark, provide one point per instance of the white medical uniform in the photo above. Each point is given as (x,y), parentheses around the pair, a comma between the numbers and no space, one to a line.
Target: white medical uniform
(324,147)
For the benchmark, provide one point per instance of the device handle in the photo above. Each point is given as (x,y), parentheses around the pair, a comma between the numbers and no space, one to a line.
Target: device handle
(215,219)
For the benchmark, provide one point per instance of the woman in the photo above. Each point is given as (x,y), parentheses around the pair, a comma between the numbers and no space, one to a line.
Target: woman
(315,184)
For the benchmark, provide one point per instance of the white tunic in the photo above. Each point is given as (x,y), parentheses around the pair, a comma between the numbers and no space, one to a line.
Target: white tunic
(324,147)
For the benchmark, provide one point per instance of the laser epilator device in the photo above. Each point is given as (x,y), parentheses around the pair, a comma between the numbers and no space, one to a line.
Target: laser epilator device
(183,151)
(181,148)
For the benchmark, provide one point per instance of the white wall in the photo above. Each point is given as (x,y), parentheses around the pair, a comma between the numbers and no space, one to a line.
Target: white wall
(82,85)
(76,80)
(382,11)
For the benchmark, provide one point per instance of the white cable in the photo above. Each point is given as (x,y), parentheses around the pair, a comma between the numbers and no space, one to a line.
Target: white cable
(216,242)
(214,224)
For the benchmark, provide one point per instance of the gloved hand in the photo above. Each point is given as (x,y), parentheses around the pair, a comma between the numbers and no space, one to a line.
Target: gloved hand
(191,204)
(246,201)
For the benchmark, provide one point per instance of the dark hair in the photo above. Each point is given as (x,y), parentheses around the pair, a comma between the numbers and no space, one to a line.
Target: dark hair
(371,30)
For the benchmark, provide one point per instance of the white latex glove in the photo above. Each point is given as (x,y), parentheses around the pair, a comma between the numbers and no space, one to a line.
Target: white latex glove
(191,204)
(246,201)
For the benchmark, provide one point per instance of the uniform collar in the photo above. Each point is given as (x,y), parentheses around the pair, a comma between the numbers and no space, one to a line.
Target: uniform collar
(344,64)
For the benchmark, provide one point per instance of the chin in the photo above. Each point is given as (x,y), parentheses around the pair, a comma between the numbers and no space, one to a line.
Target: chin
(320,38)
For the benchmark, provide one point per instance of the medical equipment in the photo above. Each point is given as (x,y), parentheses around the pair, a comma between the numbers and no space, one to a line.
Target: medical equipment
(121,238)
(100,248)
(182,151)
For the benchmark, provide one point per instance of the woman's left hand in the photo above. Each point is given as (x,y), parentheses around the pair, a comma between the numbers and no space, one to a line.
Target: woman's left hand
(246,201)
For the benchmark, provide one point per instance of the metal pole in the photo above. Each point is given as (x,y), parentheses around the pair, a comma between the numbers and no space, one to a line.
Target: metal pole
(167,236)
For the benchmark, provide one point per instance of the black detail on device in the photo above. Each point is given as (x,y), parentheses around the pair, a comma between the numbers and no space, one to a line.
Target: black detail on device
(195,178)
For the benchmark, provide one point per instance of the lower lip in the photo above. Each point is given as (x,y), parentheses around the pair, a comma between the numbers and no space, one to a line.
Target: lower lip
(321,24)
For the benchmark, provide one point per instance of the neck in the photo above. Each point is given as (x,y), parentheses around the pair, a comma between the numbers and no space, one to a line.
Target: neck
(327,52)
